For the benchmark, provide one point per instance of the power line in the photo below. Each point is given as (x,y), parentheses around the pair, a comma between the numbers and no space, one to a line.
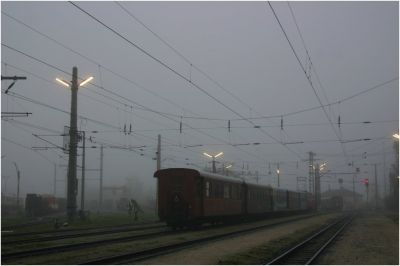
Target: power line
(176,72)
(308,78)
(111,92)
(196,117)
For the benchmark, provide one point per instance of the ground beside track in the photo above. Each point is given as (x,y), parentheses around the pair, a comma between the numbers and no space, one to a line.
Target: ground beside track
(220,252)
(373,238)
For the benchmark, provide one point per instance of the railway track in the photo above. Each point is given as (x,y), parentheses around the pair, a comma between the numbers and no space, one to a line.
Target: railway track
(35,222)
(78,246)
(9,234)
(307,251)
(6,257)
(77,233)
(141,255)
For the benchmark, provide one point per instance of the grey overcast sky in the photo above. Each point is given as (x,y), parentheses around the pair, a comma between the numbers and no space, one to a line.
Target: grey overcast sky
(353,46)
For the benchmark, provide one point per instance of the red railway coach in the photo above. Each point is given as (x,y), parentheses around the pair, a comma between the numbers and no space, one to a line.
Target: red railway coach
(190,197)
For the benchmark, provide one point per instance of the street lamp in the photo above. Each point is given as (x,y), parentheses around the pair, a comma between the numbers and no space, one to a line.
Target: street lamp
(72,180)
(67,84)
(213,159)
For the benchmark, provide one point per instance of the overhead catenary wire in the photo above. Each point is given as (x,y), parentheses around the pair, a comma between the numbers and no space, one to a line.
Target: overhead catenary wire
(191,65)
(346,97)
(308,79)
(176,73)
(207,118)
(122,97)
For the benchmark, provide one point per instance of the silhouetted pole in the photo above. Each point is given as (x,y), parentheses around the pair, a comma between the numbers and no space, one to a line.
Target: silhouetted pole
(159,152)
(83,174)
(72,182)
(158,168)
(317,187)
(101,178)
(278,172)
(214,169)
(18,180)
(384,170)
(354,191)
(55,179)
(311,170)
(376,187)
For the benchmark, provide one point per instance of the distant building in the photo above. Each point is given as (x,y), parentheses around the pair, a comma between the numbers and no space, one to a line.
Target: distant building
(350,200)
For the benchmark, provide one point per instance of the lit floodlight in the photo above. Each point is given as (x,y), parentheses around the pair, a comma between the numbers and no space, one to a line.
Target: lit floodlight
(219,154)
(206,154)
(66,84)
(229,166)
(277,171)
(85,81)
(397,136)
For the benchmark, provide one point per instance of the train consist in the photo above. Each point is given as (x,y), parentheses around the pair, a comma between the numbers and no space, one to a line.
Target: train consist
(39,205)
(190,197)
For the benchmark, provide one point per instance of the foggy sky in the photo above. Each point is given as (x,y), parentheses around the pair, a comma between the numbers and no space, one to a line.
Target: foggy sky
(353,47)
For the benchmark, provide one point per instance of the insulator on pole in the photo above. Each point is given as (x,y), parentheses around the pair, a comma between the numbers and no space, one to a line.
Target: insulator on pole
(130,128)
(229,125)
(339,121)
(281,122)
(125,129)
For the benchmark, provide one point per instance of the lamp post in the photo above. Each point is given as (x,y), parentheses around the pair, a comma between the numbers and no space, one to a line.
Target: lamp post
(214,169)
(278,173)
(18,177)
(72,181)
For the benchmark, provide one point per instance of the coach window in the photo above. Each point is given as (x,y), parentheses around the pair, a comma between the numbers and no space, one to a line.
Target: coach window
(226,191)
(234,192)
(207,189)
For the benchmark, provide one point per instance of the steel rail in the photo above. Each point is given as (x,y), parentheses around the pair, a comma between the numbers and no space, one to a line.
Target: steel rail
(71,247)
(313,254)
(62,230)
(327,243)
(166,249)
(76,235)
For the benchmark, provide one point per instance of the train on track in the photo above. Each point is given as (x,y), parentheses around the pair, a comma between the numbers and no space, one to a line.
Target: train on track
(191,197)
(37,205)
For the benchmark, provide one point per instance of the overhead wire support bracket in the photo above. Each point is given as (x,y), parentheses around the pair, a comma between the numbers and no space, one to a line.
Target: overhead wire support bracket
(15,114)
(14,78)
